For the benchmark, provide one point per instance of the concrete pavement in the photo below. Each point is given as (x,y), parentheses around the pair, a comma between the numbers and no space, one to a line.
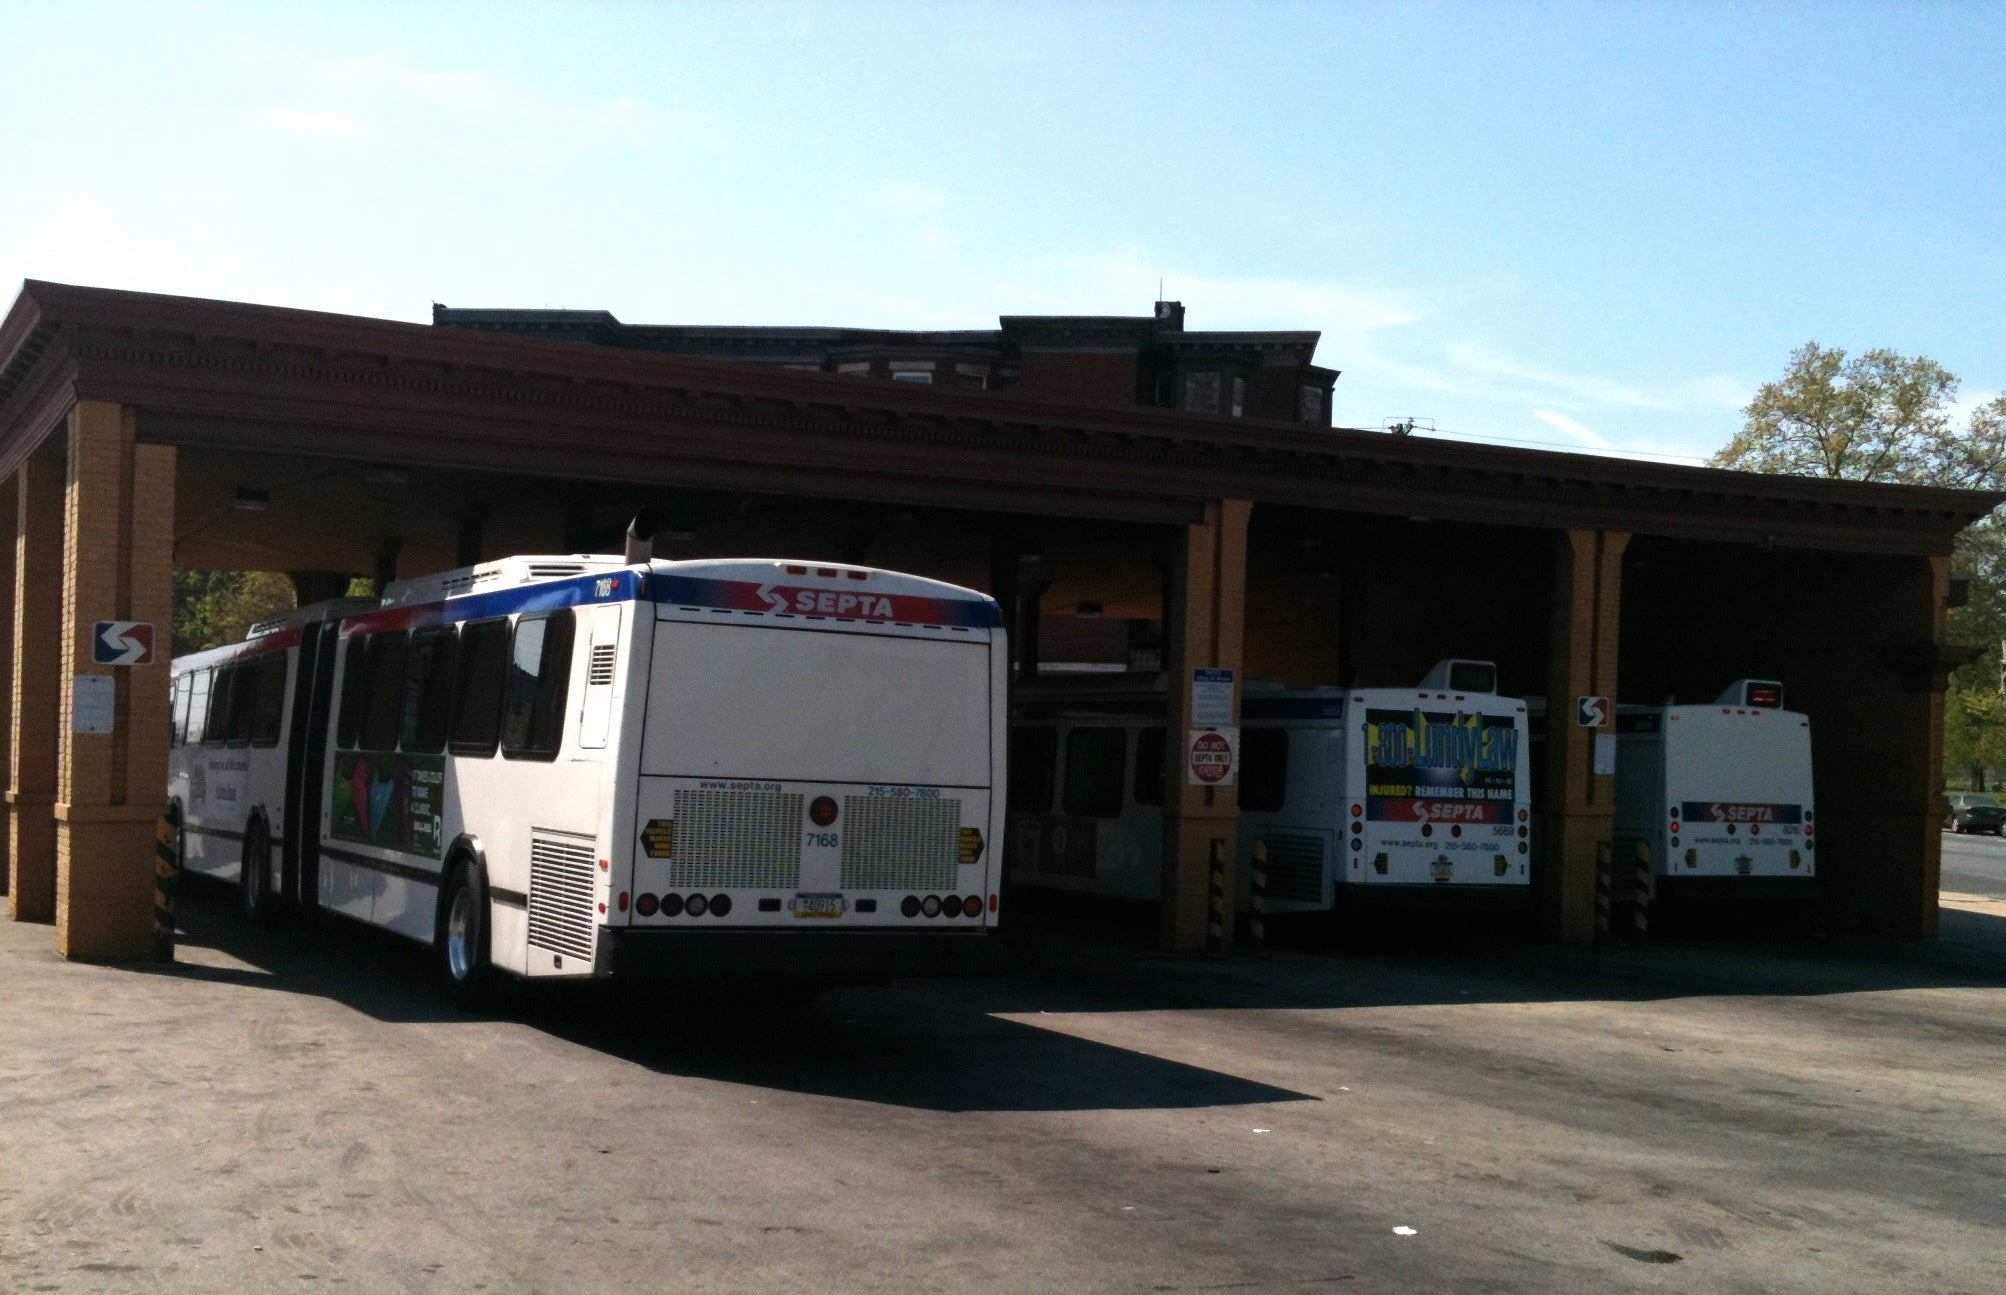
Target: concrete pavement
(296,1111)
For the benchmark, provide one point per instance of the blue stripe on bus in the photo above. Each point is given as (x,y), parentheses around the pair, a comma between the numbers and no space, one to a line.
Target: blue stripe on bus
(1291,708)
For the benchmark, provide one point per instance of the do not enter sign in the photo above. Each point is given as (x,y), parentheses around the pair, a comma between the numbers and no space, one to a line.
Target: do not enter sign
(1212,757)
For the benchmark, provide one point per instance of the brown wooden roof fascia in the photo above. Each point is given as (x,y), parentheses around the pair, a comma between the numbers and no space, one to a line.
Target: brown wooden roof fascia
(477,364)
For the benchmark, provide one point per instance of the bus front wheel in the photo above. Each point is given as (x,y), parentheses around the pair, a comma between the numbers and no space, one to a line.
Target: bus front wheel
(464,967)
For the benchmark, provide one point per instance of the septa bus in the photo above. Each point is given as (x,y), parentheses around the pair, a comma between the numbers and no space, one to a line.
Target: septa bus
(574,766)
(1720,792)
(1353,790)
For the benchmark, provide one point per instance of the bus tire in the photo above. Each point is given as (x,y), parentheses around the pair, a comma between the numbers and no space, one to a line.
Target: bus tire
(465,970)
(254,875)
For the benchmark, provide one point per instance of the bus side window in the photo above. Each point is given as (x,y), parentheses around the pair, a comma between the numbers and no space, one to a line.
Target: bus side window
(182,687)
(355,663)
(198,708)
(477,689)
(1096,760)
(1149,758)
(386,692)
(427,690)
(221,681)
(269,690)
(1034,758)
(1264,769)
(539,672)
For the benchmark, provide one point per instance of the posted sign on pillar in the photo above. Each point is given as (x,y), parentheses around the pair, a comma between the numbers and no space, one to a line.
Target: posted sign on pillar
(1212,747)
(1212,757)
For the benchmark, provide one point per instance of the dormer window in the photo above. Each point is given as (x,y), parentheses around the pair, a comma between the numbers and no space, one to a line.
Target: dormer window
(1201,393)
(1239,396)
(1309,405)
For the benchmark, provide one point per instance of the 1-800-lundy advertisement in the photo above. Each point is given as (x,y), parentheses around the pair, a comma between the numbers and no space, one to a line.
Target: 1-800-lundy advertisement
(1432,767)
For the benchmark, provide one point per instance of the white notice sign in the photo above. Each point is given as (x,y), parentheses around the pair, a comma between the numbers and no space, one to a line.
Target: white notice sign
(94,699)
(1605,753)
(1211,698)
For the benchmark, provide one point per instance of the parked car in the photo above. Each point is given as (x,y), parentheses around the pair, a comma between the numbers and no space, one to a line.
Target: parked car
(1972,811)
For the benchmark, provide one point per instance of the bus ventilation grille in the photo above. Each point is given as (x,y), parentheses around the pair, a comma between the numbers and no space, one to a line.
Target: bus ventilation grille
(727,839)
(603,657)
(1295,867)
(560,893)
(554,570)
(896,844)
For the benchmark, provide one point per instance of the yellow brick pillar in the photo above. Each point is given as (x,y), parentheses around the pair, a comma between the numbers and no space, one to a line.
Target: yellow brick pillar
(1580,805)
(37,679)
(1205,624)
(118,564)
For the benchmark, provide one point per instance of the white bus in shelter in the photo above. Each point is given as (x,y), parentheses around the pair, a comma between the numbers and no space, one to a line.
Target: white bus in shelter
(1388,791)
(1721,793)
(571,766)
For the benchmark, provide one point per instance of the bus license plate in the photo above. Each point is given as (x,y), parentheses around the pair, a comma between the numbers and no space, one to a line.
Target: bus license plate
(818,906)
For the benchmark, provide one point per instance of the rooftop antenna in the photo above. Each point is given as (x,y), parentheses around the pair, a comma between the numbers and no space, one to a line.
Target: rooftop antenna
(1407,426)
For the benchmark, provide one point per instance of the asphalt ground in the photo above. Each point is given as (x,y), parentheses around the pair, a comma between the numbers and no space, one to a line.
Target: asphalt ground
(1974,865)
(295,1110)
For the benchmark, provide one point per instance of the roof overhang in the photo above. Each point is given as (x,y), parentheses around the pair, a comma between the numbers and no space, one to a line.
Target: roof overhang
(229,375)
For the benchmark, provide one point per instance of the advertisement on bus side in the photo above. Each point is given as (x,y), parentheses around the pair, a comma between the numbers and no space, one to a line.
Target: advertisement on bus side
(388,799)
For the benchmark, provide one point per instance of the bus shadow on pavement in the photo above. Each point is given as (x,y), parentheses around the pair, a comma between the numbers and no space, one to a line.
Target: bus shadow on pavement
(926,1045)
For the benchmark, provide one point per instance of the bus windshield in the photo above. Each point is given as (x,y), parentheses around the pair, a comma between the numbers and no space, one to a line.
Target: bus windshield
(753,701)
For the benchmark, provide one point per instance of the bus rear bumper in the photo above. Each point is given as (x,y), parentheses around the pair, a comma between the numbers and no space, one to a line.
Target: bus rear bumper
(827,957)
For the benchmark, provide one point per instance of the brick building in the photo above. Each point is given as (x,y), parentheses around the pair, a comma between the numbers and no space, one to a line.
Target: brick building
(1108,359)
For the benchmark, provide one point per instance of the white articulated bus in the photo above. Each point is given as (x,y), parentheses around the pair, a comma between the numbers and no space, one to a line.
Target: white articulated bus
(1721,793)
(571,766)
(1388,791)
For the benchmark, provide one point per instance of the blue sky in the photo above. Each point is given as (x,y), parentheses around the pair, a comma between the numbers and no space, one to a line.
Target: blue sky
(1589,226)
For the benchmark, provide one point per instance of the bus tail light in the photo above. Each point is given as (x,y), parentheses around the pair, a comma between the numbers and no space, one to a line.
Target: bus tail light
(951,906)
(623,901)
(672,905)
(822,811)
(930,906)
(646,905)
(992,903)
(696,905)
(720,905)
(972,906)
(909,906)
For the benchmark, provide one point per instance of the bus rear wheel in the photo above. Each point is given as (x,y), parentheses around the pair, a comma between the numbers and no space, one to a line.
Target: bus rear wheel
(465,970)
(255,873)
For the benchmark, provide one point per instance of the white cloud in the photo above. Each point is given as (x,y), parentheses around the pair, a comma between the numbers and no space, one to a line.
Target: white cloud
(1572,427)
(1481,359)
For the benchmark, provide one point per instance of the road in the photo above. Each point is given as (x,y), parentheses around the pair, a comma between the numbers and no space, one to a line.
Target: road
(1974,865)
(297,1111)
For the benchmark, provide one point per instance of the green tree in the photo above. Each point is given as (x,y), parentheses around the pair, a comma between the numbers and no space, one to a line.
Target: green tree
(1883,416)
(1879,416)
(212,608)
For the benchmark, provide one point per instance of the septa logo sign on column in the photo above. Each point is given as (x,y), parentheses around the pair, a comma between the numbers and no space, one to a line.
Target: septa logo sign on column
(1591,712)
(122,643)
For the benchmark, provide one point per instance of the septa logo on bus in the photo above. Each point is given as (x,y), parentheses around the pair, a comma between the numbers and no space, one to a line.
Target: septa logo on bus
(1403,810)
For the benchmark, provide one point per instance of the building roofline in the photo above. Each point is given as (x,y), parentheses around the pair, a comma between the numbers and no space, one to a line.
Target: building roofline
(1251,458)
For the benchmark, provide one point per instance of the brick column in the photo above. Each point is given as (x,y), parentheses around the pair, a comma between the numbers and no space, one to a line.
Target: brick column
(1204,624)
(9,501)
(118,564)
(1580,805)
(37,676)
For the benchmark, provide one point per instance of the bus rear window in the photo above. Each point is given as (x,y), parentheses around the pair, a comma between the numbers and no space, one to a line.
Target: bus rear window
(539,672)
(1096,762)
(1149,758)
(1034,758)
(1264,769)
